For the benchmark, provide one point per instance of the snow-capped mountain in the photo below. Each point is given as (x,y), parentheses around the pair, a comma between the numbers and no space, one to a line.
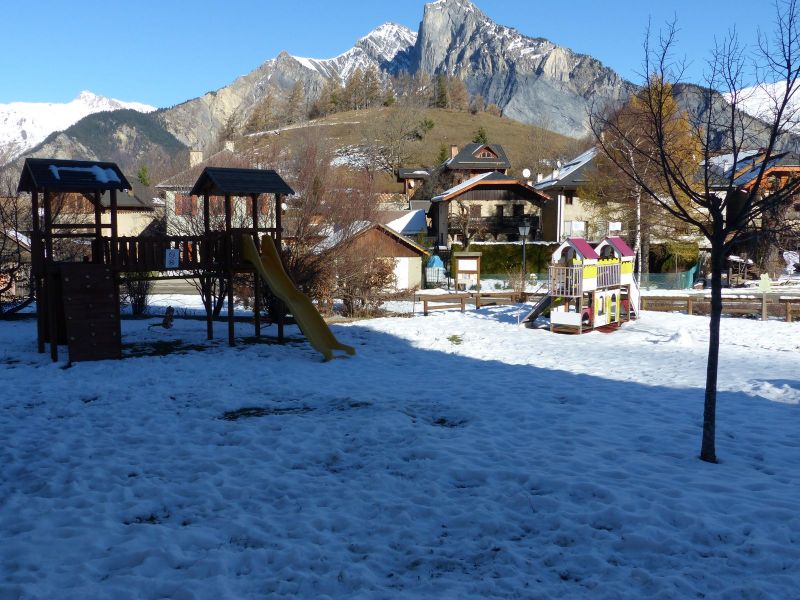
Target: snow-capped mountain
(383,48)
(759,101)
(23,125)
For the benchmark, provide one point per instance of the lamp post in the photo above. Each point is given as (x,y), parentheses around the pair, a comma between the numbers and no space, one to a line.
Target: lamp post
(524,230)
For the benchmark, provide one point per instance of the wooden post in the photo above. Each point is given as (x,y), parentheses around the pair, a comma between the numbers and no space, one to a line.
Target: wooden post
(278,237)
(37,263)
(114,237)
(788,311)
(229,266)
(689,305)
(49,275)
(97,254)
(256,277)
(207,267)
(764,306)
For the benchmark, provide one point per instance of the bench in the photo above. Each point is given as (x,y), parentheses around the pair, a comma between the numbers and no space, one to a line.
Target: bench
(441,301)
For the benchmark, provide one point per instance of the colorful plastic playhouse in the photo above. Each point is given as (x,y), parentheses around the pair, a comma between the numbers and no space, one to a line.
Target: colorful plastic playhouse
(589,287)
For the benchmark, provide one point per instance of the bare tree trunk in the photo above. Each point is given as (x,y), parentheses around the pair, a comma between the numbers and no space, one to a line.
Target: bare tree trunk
(708,451)
(637,248)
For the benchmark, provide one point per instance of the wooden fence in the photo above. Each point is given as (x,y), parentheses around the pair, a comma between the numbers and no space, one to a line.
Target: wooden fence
(782,305)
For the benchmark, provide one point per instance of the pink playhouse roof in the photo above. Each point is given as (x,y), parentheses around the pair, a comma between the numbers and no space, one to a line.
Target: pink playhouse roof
(620,246)
(582,246)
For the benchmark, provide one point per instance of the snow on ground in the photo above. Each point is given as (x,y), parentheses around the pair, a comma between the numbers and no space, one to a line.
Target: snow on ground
(455,456)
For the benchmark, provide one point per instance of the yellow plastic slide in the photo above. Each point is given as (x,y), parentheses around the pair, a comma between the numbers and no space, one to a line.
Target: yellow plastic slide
(269,266)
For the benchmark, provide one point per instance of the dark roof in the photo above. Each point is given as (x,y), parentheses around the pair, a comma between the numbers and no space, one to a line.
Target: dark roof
(466,158)
(418,173)
(218,181)
(58,175)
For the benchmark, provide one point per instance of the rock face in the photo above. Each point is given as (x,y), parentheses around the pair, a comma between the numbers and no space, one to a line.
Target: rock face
(530,79)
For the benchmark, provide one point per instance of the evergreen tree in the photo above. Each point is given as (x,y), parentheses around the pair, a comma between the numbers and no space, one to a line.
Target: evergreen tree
(143,175)
(440,100)
(480,136)
(443,155)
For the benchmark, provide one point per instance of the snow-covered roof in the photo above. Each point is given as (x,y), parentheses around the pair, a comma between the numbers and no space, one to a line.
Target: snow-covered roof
(357,228)
(565,174)
(461,186)
(21,239)
(411,223)
(493,178)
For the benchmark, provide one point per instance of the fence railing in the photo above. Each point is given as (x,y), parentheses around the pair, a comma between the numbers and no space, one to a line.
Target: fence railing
(566,281)
(608,275)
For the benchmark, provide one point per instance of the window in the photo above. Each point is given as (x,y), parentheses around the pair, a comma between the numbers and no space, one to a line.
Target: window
(569,197)
(475,211)
(498,211)
(485,153)
(519,210)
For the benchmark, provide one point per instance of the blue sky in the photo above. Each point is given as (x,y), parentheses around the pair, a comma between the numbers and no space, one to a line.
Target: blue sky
(163,52)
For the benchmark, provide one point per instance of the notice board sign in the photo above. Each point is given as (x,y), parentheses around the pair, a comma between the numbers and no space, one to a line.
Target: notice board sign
(172,258)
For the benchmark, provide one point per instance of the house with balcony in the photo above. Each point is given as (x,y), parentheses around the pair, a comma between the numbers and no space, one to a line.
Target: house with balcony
(568,215)
(489,205)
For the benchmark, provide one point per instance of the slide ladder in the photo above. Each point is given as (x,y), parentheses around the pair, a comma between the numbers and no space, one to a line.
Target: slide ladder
(270,268)
(634,300)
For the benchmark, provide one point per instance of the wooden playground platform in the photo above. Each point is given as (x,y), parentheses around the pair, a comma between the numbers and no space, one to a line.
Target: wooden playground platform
(78,301)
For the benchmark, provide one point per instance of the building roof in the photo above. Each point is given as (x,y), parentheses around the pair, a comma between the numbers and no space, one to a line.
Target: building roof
(359,228)
(183,181)
(22,240)
(58,175)
(571,175)
(492,179)
(581,247)
(748,175)
(406,222)
(620,246)
(414,173)
(467,158)
(219,181)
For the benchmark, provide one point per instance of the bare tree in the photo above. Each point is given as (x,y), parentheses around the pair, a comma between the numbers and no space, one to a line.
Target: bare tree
(392,140)
(14,269)
(699,192)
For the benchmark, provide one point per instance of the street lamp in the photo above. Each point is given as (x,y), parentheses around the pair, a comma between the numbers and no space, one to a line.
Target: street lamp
(524,230)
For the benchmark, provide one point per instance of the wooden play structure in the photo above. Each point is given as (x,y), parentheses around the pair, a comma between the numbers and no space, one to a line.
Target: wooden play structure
(589,287)
(78,299)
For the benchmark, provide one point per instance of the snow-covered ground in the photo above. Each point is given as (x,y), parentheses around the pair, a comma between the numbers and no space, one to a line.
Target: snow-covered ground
(455,456)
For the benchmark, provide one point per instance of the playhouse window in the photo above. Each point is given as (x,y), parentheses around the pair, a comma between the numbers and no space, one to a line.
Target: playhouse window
(569,197)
